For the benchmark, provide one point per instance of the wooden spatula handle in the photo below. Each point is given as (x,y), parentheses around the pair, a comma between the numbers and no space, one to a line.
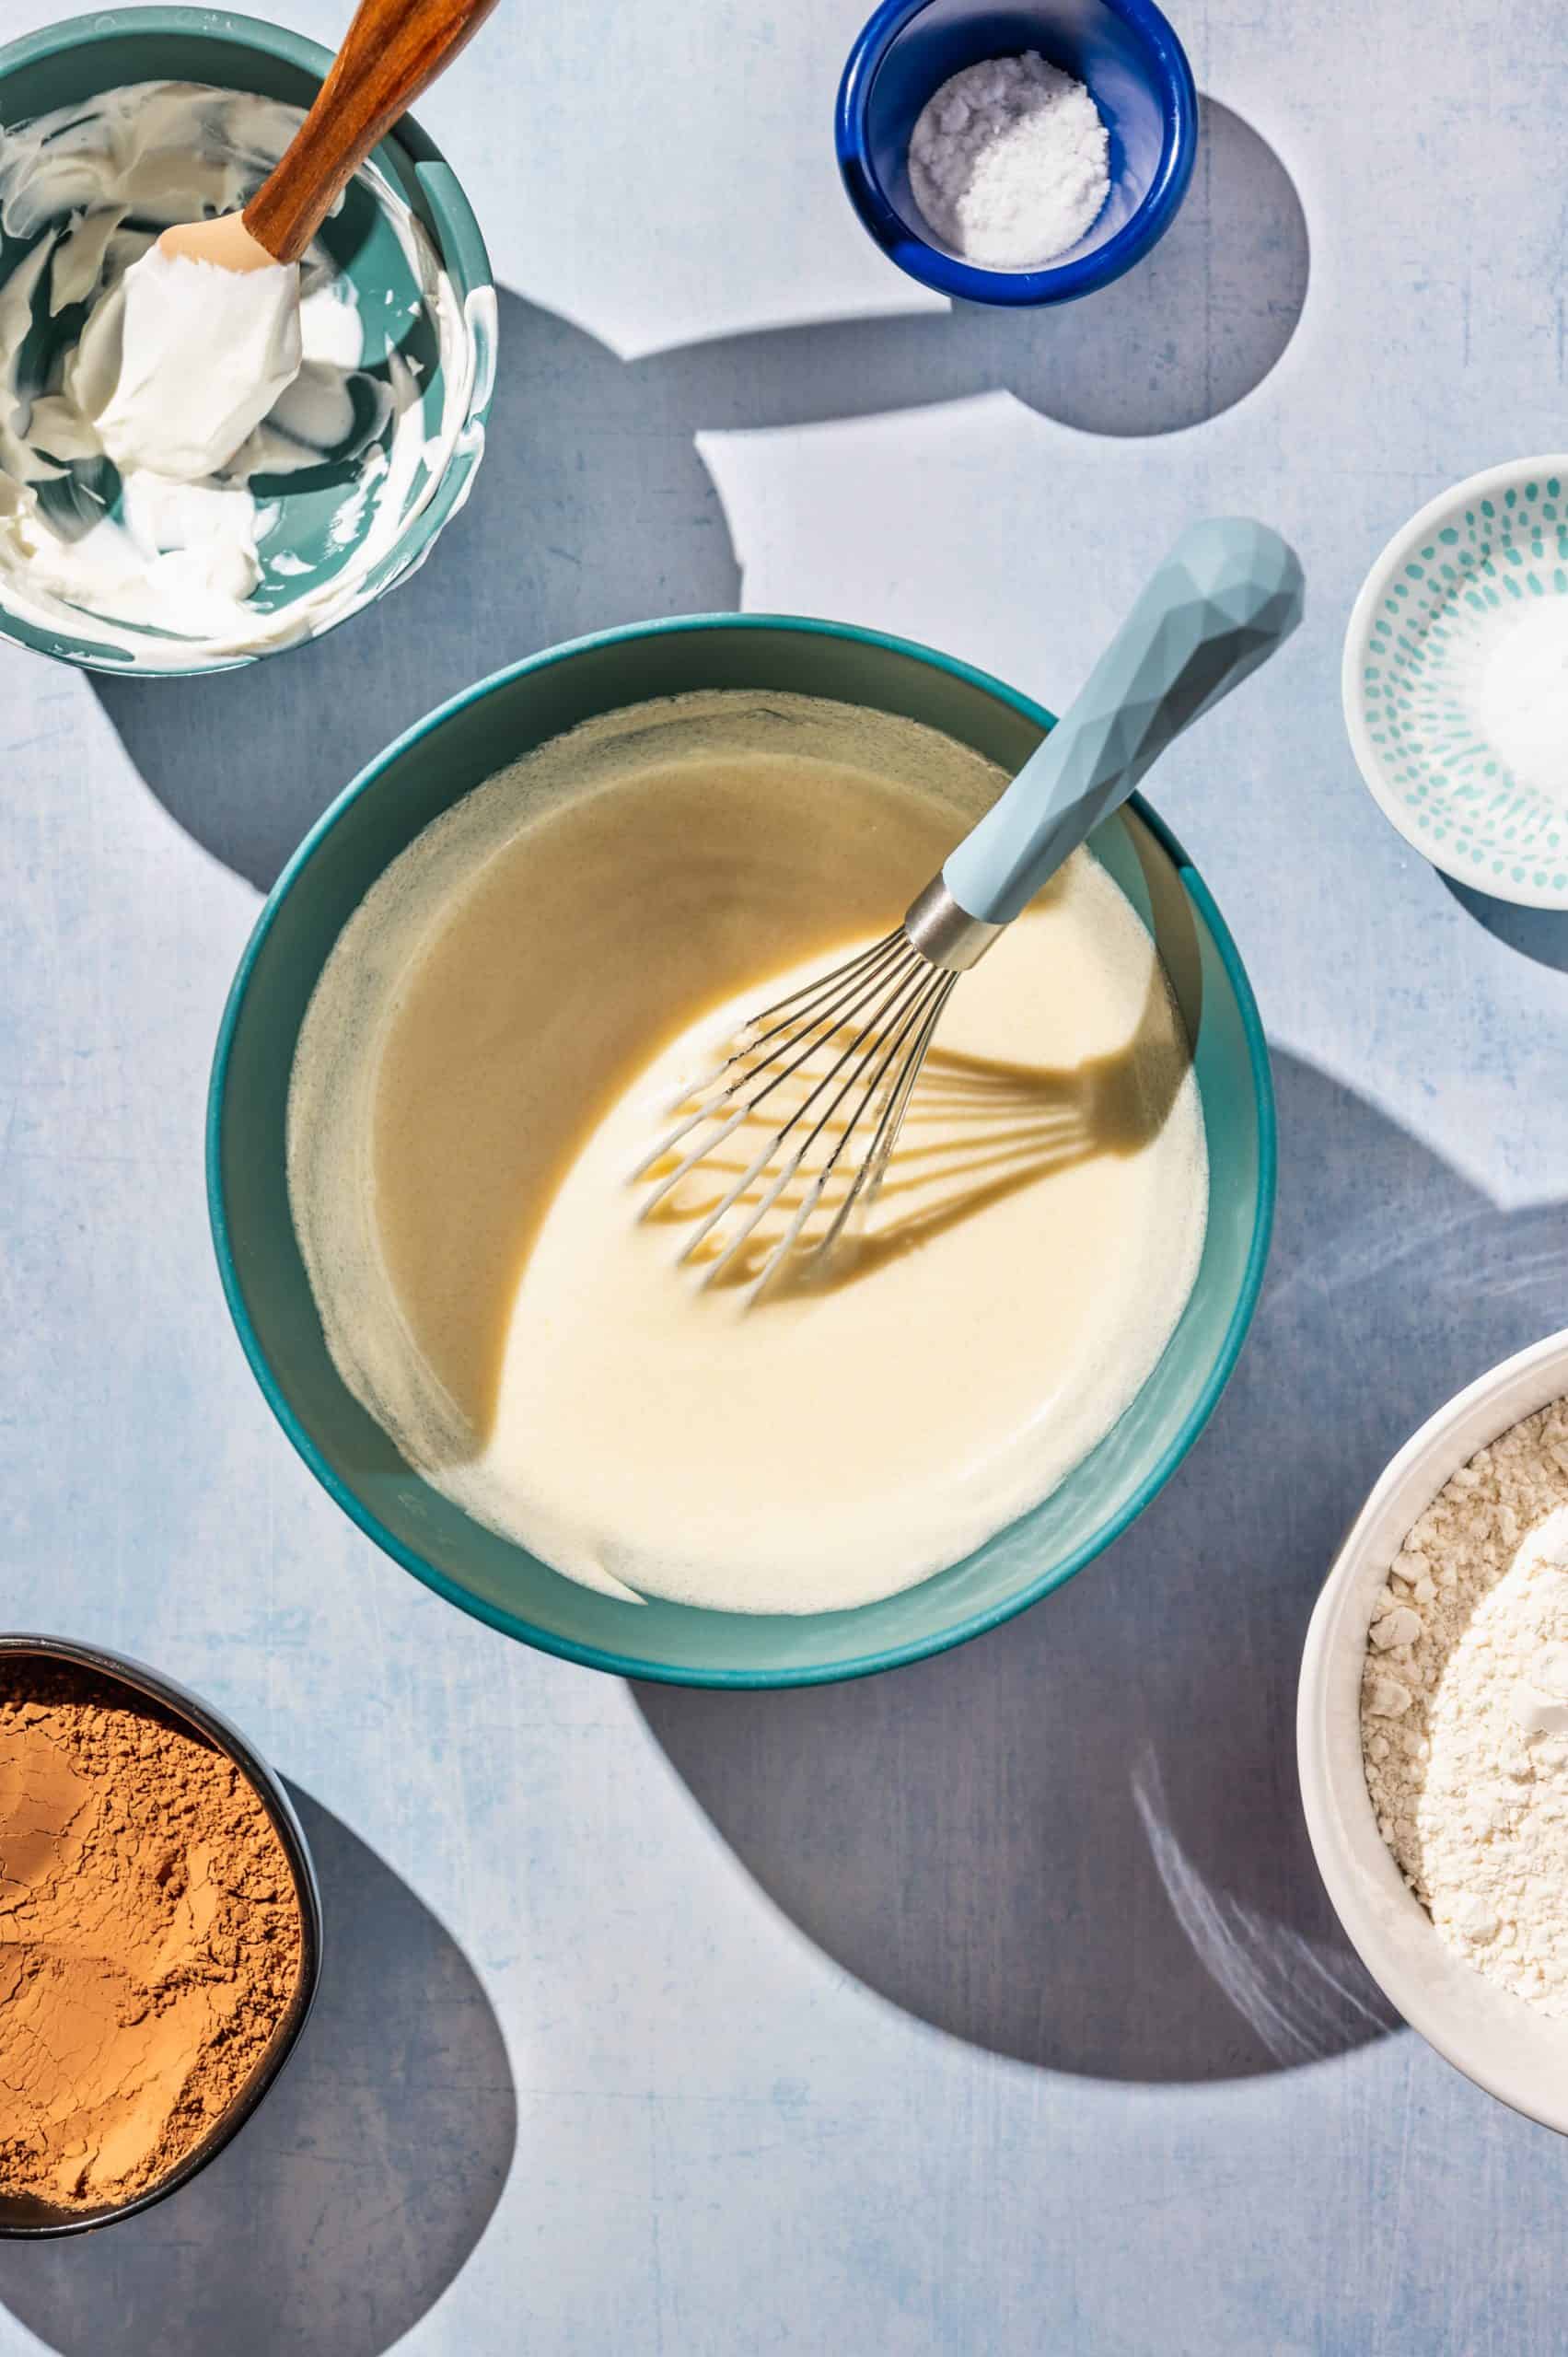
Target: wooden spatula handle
(392,49)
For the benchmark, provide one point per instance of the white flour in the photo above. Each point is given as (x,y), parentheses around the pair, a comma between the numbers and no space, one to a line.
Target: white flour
(1008,162)
(1465,1710)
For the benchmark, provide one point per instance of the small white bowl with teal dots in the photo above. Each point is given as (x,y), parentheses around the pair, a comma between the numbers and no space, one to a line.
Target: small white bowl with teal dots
(1469,599)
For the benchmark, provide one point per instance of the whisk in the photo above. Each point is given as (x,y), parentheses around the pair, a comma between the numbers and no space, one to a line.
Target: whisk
(831,1068)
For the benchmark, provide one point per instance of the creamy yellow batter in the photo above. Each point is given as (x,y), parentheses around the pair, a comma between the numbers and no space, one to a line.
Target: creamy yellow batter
(493,1047)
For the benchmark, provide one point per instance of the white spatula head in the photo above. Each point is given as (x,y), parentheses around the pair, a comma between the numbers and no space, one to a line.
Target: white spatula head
(225,242)
(179,364)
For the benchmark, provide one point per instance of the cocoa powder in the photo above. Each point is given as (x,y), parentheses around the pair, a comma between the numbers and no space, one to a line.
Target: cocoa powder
(150,1936)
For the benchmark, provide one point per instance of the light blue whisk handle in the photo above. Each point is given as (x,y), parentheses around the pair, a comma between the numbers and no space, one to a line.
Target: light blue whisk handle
(1225,596)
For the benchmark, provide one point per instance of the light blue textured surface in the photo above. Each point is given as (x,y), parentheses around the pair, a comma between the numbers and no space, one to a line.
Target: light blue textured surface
(991,2006)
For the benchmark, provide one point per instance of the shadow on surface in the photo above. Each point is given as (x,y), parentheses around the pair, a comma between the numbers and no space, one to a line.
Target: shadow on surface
(344,2208)
(592,506)
(1078,1840)
(1541,935)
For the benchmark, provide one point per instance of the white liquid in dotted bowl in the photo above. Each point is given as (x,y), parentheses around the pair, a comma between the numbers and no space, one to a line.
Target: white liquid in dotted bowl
(1455,682)
(1505,2043)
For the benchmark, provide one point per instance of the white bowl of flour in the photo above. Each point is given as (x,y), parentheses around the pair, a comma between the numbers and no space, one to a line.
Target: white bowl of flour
(1430,1724)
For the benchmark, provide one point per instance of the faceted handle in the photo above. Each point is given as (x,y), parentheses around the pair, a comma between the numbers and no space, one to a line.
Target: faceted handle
(1228,595)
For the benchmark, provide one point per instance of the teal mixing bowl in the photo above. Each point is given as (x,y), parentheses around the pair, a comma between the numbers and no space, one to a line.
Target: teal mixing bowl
(421,775)
(318,533)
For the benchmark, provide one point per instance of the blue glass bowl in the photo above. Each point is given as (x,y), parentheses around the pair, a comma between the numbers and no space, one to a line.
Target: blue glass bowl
(391,802)
(1123,51)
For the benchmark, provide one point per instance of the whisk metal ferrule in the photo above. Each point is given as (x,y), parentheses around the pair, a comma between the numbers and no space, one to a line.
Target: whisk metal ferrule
(946,934)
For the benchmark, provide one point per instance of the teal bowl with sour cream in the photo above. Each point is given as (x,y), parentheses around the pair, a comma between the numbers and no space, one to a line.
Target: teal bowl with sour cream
(342,525)
(391,802)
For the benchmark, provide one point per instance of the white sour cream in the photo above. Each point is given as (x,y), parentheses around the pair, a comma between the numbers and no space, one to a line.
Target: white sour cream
(167,573)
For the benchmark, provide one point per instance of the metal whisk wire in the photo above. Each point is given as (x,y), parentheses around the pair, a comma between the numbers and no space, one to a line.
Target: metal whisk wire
(1226,596)
(882,1004)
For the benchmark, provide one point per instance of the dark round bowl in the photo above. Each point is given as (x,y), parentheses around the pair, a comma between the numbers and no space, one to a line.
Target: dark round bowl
(25,2217)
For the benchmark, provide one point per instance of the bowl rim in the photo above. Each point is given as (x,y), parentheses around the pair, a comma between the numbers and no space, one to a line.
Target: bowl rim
(514,1624)
(1358,630)
(269,1789)
(1455,2009)
(1058,282)
(462,244)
